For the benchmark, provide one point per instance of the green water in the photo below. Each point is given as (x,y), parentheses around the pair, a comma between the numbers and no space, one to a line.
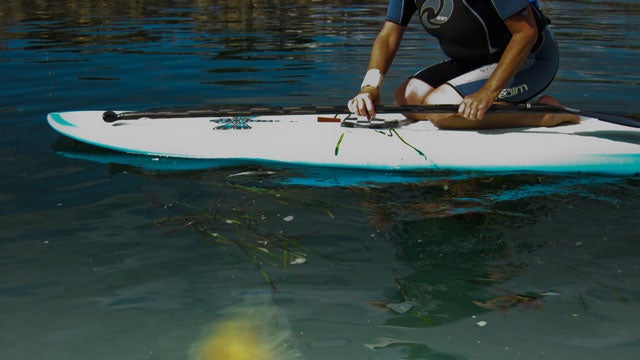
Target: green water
(106,261)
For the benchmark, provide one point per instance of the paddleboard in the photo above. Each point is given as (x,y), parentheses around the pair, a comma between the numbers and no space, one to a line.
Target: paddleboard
(324,141)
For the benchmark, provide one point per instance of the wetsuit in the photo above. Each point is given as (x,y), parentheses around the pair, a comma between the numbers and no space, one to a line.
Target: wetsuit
(472,33)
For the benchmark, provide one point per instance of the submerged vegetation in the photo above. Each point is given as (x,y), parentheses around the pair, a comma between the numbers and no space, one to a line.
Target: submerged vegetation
(455,236)
(244,227)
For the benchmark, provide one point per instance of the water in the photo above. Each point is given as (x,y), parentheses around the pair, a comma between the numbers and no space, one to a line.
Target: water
(109,261)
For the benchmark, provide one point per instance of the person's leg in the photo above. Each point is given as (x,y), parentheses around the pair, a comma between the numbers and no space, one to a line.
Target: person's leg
(417,92)
(448,83)
(533,77)
(412,92)
(447,95)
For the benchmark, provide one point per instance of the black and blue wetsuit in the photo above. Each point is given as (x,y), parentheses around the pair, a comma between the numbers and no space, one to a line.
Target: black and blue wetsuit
(473,35)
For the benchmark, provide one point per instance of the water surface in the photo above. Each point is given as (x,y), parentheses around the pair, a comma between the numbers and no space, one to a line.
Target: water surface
(109,261)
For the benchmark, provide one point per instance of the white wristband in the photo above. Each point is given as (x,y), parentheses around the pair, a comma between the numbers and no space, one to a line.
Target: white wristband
(373,78)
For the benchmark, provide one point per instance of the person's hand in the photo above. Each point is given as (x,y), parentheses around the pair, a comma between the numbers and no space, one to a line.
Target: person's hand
(364,103)
(474,106)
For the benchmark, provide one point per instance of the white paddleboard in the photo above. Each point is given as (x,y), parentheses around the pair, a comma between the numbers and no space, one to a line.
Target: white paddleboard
(591,146)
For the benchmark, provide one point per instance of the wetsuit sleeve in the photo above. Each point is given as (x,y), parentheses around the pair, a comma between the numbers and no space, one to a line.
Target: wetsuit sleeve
(508,8)
(401,11)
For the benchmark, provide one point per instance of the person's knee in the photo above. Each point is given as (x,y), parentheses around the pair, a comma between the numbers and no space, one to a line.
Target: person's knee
(411,92)
(445,94)
(400,95)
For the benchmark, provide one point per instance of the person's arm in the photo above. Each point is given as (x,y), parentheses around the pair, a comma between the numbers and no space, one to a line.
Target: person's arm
(383,52)
(524,33)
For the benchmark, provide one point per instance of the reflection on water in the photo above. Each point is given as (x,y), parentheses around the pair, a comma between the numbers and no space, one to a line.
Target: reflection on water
(176,53)
(231,30)
(279,52)
(454,235)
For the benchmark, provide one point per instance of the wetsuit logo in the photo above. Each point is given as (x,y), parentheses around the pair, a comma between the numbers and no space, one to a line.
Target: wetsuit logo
(434,13)
(513,91)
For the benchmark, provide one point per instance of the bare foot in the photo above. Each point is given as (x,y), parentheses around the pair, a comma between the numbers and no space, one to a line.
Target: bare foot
(550,120)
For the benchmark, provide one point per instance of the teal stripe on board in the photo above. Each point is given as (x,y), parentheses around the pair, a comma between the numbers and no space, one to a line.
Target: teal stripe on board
(60,120)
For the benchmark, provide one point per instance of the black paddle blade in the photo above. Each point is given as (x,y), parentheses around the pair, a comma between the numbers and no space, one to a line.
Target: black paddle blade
(626,120)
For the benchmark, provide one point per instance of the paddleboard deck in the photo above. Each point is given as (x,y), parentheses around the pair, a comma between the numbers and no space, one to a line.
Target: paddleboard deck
(320,140)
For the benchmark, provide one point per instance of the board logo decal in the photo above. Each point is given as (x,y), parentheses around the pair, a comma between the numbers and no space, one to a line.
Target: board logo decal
(237,122)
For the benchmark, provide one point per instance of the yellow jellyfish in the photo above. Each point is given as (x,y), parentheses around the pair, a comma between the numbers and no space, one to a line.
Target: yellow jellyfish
(253,330)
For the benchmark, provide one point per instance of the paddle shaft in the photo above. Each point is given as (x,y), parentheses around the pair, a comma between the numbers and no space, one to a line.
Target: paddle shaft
(111,116)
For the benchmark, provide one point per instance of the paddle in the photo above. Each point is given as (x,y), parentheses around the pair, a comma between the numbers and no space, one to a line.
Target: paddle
(111,116)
